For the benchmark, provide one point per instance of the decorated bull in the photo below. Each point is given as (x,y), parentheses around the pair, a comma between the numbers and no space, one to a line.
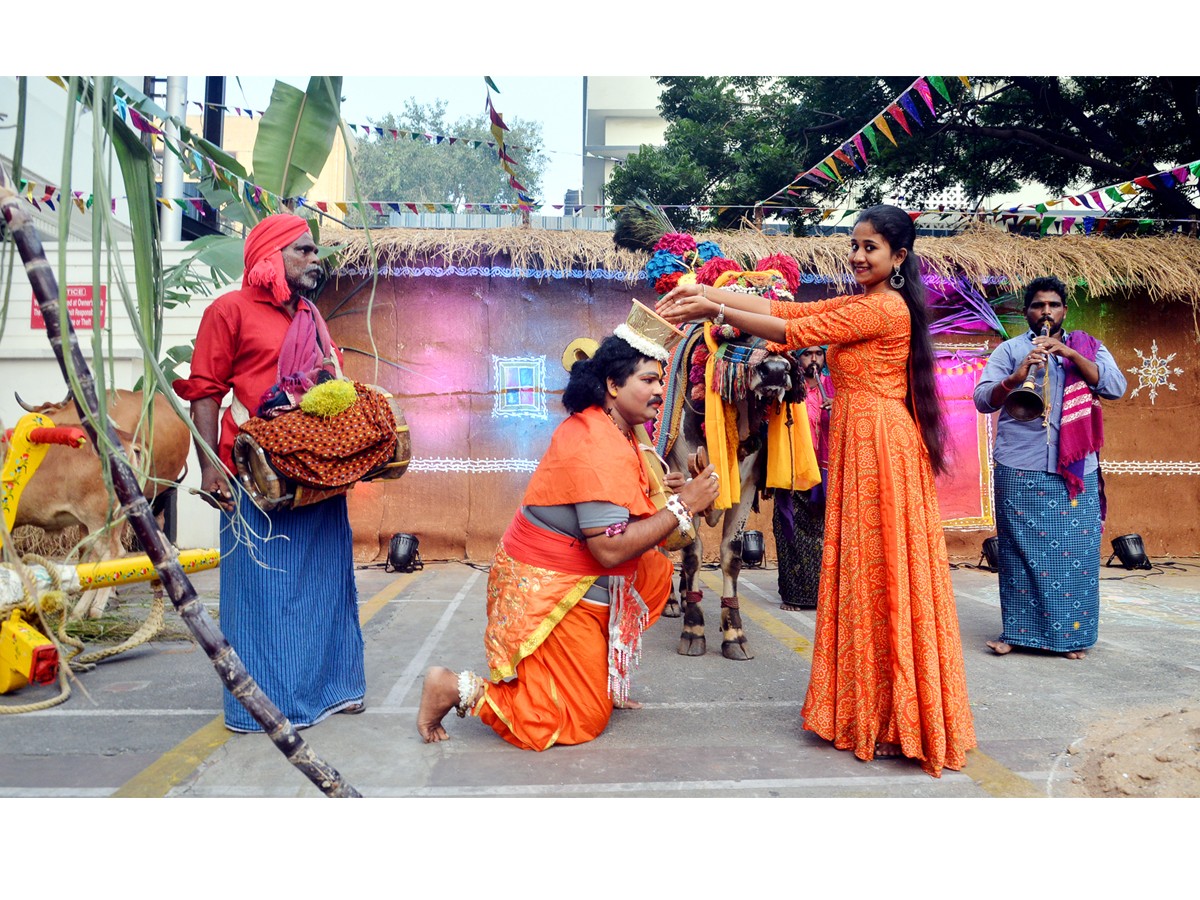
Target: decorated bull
(729,401)
(69,487)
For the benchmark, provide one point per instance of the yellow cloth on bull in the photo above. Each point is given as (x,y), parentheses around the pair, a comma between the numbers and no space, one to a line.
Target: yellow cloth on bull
(791,459)
(720,432)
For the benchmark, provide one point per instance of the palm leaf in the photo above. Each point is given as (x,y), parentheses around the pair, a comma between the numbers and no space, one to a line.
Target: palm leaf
(295,135)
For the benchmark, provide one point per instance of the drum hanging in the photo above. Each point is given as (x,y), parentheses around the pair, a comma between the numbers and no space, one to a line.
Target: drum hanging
(398,464)
(268,488)
(299,458)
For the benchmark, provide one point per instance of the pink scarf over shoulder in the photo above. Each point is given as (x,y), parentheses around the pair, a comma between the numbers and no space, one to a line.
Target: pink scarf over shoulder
(306,352)
(1081,429)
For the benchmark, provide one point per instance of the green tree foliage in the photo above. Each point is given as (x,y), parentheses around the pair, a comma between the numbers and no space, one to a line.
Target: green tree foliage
(735,141)
(419,171)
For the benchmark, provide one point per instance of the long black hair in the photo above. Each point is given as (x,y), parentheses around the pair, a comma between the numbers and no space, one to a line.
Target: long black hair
(615,359)
(922,397)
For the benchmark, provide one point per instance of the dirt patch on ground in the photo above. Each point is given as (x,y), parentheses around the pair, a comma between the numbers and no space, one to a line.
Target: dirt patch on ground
(1143,753)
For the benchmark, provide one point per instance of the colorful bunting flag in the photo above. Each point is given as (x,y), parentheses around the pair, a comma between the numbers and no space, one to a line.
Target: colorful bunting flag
(869,131)
(898,115)
(926,95)
(907,102)
(858,143)
(939,86)
(141,124)
(881,123)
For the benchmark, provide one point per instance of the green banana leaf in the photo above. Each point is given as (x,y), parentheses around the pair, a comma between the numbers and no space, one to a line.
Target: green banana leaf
(295,135)
(230,204)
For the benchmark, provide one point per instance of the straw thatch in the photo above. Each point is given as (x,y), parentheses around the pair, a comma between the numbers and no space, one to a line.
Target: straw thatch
(1163,268)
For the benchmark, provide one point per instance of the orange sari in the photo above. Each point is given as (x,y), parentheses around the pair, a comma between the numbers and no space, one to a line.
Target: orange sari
(560,693)
(540,629)
(887,658)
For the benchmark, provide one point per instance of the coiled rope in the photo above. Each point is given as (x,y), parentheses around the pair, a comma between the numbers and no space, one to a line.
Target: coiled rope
(45,606)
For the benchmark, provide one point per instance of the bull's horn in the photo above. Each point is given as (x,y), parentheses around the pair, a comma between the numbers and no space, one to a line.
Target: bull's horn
(45,407)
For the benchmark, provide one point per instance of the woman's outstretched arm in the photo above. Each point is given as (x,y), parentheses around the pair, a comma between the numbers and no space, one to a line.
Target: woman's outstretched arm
(747,312)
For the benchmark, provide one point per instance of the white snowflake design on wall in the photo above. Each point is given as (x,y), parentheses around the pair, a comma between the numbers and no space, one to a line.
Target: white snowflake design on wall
(1154,371)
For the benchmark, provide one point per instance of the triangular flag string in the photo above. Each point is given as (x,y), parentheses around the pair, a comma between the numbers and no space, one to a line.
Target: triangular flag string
(827,168)
(1049,214)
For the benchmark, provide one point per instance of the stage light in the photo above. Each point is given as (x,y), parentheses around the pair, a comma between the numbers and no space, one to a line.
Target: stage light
(750,548)
(402,554)
(991,552)
(1129,549)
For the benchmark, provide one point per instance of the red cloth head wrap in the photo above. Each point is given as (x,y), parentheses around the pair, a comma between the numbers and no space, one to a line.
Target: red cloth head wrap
(264,261)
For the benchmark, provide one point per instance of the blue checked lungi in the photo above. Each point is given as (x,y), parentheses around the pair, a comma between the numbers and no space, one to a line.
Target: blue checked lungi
(290,610)
(1049,560)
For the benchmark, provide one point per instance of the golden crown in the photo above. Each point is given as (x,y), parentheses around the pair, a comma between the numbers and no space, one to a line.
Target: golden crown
(647,331)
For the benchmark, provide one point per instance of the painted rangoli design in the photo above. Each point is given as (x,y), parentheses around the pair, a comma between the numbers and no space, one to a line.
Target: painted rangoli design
(1154,371)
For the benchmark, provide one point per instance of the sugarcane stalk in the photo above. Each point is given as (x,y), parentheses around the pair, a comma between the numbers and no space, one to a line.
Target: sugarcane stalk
(136,508)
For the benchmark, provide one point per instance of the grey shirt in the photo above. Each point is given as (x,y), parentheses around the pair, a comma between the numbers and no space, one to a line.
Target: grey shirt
(570,520)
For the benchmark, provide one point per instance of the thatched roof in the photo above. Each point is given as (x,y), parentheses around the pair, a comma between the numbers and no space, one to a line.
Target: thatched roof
(1164,268)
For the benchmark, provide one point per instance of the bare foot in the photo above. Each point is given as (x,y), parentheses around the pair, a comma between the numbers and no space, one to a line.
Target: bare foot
(628,704)
(1076,654)
(438,696)
(999,647)
(885,750)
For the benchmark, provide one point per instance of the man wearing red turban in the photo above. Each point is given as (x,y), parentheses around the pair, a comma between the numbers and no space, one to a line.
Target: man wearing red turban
(288,607)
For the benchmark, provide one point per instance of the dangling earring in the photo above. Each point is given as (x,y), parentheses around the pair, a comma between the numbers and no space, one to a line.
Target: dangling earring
(897,280)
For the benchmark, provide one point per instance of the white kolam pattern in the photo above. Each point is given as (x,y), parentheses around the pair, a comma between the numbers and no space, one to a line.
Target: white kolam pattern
(1153,371)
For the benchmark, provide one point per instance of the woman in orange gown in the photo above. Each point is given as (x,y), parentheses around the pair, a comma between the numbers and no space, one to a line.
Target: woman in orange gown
(887,673)
(577,575)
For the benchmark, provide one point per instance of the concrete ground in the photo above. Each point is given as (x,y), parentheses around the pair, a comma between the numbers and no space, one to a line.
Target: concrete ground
(147,724)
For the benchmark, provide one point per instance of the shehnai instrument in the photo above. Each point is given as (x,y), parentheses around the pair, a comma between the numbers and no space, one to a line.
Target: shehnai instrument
(1028,401)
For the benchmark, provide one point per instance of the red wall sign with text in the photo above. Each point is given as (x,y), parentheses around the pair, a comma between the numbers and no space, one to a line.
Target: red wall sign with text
(79,307)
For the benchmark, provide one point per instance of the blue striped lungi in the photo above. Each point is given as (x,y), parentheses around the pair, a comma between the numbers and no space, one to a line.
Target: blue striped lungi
(1049,560)
(290,610)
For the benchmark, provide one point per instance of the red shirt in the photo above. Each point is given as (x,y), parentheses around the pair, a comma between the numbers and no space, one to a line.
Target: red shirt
(237,347)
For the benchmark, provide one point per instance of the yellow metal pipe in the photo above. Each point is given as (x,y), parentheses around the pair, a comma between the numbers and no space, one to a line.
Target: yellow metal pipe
(129,569)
